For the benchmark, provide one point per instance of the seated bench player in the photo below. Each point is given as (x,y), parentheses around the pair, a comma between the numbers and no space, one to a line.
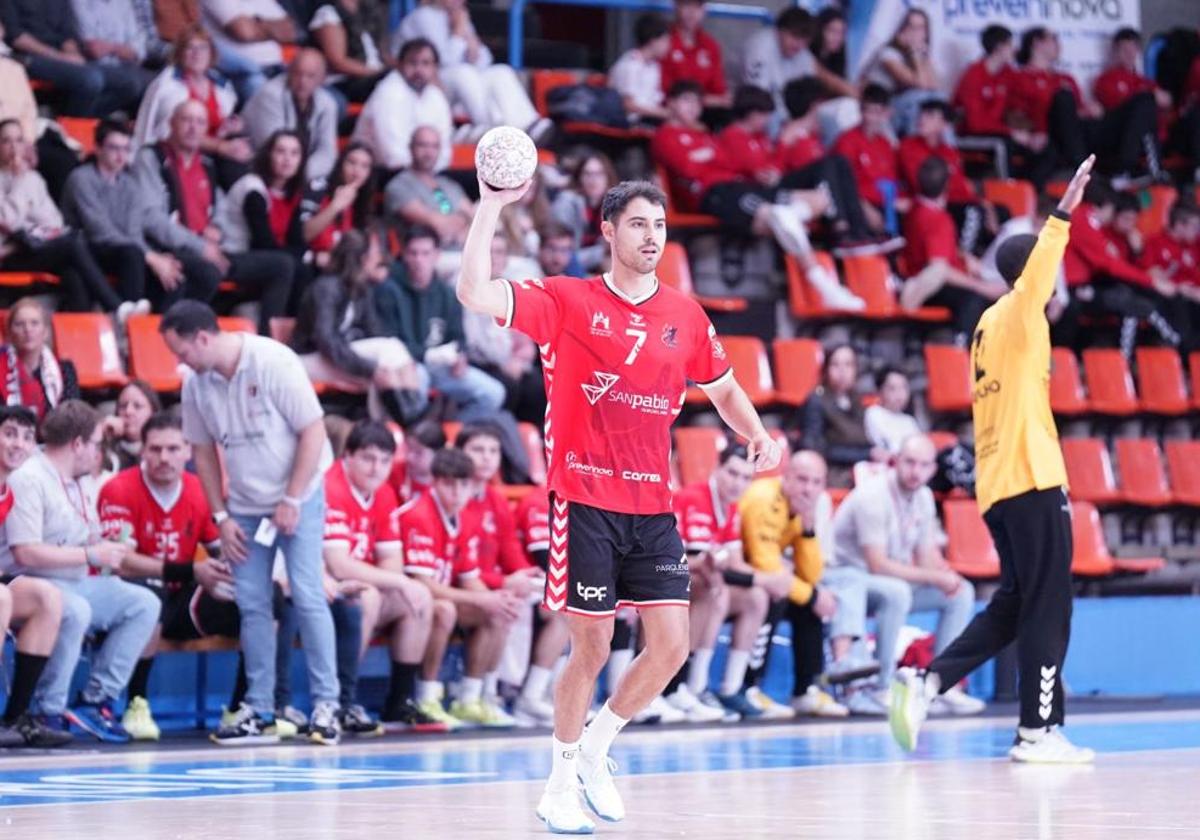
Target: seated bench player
(441,541)
(410,474)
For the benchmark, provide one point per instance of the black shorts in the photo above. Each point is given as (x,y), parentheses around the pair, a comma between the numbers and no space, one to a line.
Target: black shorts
(601,560)
(191,613)
(736,203)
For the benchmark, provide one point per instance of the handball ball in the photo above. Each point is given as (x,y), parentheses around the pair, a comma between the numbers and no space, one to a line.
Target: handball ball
(505,157)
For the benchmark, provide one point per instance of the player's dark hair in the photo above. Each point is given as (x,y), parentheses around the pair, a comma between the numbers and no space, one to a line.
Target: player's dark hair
(1012,255)
(649,27)
(801,95)
(1028,38)
(876,94)
(113,124)
(188,317)
(419,231)
(471,431)
(1181,212)
(1127,33)
(454,464)
(886,371)
(938,106)
(796,22)
(413,45)
(619,197)
(68,420)
(370,433)
(428,433)
(750,99)
(159,421)
(683,87)
(734,449)
(995,36)
(1126,202)
(932,177)
(19,415)
(1099,192)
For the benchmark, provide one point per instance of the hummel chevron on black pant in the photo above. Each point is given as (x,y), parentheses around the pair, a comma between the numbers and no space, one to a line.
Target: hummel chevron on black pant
(1032,532)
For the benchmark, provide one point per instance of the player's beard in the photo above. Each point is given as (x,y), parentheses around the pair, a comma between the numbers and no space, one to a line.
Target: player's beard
(638,262)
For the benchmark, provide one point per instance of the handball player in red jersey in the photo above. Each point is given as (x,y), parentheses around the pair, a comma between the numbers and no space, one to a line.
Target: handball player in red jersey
(617,353)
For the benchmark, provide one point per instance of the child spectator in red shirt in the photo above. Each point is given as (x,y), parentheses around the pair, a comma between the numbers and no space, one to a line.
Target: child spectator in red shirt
(695,56)
(871,150)
(1175,252)
(1122,230)
(1121,81)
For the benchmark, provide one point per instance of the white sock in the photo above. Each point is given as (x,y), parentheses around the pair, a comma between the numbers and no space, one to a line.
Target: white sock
(735,671)
(697,679)
(618,661)
(471,691)
(536,682)
(598,736)
(429,690)
(562,768)
(491,684)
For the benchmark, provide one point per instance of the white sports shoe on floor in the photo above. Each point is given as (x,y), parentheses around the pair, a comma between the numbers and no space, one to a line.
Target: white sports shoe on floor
(770,709)
(911,694)
(599,791)
(694,710)
(563,813)
(659,711)
(530,712)
(868,701)
(1048,746)
(818,703)
(956,702)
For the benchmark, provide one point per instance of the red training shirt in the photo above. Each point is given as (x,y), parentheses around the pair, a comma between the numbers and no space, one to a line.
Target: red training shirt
(435,547)
(1030,92)
(872,159)
(195,190)
(1090,253)
(533,522)
(750,153)
(405,487)
(929,233)
(1177,258)
(982,98)
(800,151)
(365,525)
(915,150)
(703,523)
(500,551)
(701,63)
(673,147)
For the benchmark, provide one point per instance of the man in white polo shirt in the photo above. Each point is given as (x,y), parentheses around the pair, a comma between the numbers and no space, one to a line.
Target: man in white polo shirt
(251,396)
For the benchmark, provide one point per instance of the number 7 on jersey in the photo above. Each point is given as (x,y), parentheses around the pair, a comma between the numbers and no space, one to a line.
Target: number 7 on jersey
(639,340)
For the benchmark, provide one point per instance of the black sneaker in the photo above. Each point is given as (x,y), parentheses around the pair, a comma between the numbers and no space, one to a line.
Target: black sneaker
(10,737)
(407,716)
(355,720)
(323,727)
(245,726)
(36,733)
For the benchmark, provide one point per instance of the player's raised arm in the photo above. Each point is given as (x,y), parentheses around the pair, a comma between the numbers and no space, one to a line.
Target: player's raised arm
(476,289)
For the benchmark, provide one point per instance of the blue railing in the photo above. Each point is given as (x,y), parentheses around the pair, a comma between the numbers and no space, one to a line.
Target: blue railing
(516,17)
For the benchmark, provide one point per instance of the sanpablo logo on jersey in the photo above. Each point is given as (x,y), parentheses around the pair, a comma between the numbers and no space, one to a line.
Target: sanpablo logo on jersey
(604,381)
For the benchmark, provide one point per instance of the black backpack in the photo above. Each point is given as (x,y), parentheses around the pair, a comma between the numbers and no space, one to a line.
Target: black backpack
(587,103)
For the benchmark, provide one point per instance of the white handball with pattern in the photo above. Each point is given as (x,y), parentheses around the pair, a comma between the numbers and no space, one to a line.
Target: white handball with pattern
(505,157)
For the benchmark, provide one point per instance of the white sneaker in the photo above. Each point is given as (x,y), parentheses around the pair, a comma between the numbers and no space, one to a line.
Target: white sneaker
(818,703)
(500,717)
(599,791)
(789,232)
(727,715)
(530,712)
(911,694)
(770,709)
(694,710)
(849,669)
(1048,746)
(659,711)
(563,813)
(833,294)
(956,702)
(871,702)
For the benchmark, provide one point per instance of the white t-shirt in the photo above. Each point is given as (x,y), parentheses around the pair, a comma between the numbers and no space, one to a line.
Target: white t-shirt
(766,67)
(393,111)
(256,417)
(889,429)
(328,16)
(432,23)
(638,78)
(217,14)
(877,513)
(47,510)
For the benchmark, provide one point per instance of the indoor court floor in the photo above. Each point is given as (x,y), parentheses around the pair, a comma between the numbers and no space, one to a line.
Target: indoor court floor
(810,780)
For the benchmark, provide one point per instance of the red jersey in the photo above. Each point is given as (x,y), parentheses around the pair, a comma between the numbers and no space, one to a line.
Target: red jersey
(1116,84)
(1178,259)
(674,148)
(701,63)
(1090,253)
(500,551)
(872,159)
(750,153)
(982,98)
(404,486)
(365,525)
(915,150)
(929,233)
(533,522)
(1030,92)
(616,371)
(1122,243)
(703,523)
(6,503)
(170,534)
(434,546)
(800,151)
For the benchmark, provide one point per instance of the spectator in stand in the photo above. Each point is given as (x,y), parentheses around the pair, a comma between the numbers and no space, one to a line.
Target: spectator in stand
(248,34)
(577,208)
(46,38)
(695,55)
(637,75)
(1175,252)
(297,101)
(52,532)
(871,150)
(888,422)
(412,473)
(34,238)
(156,48)
(192,77)
(34,606)
(1101,281)
(1122,229)
(1123,80)
(342,31)
(904,67)
(941,272)
(420,196)
(136,403)
(252,395)
(441,537)
(339,339)
(362,543)
(110,35)
(555,253)
(406,98)
(183,182)
(173,16)
(524,219)
(829,50)
(345,202)
(1046,100)
(32,375)
(832,420)
(490,94)
(704,178)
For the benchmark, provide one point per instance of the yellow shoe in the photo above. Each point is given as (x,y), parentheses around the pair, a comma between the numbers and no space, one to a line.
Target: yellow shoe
(282,729)
(435,710)
(479,713)
(228,716)
(139,722)
(770,709)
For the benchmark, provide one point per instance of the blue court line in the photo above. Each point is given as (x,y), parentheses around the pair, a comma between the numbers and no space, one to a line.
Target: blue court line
(266,772)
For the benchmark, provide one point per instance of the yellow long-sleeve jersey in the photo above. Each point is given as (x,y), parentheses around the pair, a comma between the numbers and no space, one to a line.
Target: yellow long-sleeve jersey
(768,528)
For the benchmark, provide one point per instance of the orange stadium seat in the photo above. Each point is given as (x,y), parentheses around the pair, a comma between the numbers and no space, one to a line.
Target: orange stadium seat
(451,428)
(949,372)
(149,358)
(1066,386)
(969,550)
(750,367)
(870,279)
(1160,381)
(1143,480)
(82,130)
(1091,557)
(1018,196)
(1110,386)
(1158,200)
(943,440)
(675,271)
(541,82)
(797,368)
(26,279)
(88,340)
(697,449)
(1183,456)
(1089,470)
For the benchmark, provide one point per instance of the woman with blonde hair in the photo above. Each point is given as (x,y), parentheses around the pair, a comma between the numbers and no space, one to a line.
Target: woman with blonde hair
(32,375)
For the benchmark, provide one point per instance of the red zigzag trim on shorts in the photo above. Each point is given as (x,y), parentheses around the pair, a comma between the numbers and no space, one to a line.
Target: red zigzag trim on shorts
(556,575)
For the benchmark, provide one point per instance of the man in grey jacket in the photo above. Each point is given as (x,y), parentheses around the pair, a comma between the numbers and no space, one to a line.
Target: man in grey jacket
(296,100)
